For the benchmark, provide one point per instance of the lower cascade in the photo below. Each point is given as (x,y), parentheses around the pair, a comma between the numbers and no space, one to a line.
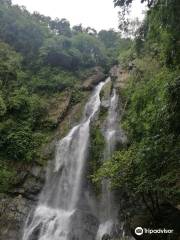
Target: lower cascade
(63,212)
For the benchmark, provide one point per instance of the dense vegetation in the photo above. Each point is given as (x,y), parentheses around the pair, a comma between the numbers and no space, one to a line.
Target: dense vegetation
(147,169)
(40,59)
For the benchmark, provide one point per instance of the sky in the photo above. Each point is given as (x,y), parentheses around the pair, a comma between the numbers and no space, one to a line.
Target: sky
(98,14)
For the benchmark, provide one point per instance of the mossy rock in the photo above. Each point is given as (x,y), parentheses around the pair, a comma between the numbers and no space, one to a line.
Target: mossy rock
(96,155)
(106,91)
(103,113)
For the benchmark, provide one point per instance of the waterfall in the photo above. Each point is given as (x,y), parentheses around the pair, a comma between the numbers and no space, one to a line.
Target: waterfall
(108,209)
(52,219)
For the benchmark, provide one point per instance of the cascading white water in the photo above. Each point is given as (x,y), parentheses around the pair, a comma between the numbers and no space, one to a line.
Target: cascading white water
(113,134)
(59,198)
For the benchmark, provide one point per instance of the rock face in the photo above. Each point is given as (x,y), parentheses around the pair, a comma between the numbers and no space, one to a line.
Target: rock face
(97,76)
(119,75)
(13,212)
(58,108)
(17,203)
(85,226)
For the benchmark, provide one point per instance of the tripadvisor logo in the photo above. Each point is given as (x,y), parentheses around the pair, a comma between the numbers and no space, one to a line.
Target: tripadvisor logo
(139,231)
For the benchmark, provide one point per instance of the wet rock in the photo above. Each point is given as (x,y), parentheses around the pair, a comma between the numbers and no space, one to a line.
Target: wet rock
(36,171)
(32,188)
(94,79)
(48,150)
(106,237)
(114,71)
(13,212)
(17,203)
(83,226)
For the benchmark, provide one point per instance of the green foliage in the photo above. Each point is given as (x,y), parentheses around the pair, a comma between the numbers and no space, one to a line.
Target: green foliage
(114,44)
(159,34)
(92,50)
(119,170)
(146,167)
(7,175)
(10,63)
(59,81)
(21,30)
(76,96)
(58,51)
(17,143)
(45,41)
(62,27)
(109,38)
(2,107)
(126,56)
(24,106)
(173,94)
(147,105)
(21,115)
(19,101)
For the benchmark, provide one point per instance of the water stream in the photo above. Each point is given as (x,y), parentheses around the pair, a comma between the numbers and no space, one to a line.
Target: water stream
(108,208)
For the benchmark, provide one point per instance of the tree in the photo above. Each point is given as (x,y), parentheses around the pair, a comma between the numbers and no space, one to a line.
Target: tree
(62,26)
(22,31)
(126,25)
(10,64)
(59,51)
(77,29)
(127,3)
(91,49)
(2,107)
(110,38)
(6,2)
(91,31)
